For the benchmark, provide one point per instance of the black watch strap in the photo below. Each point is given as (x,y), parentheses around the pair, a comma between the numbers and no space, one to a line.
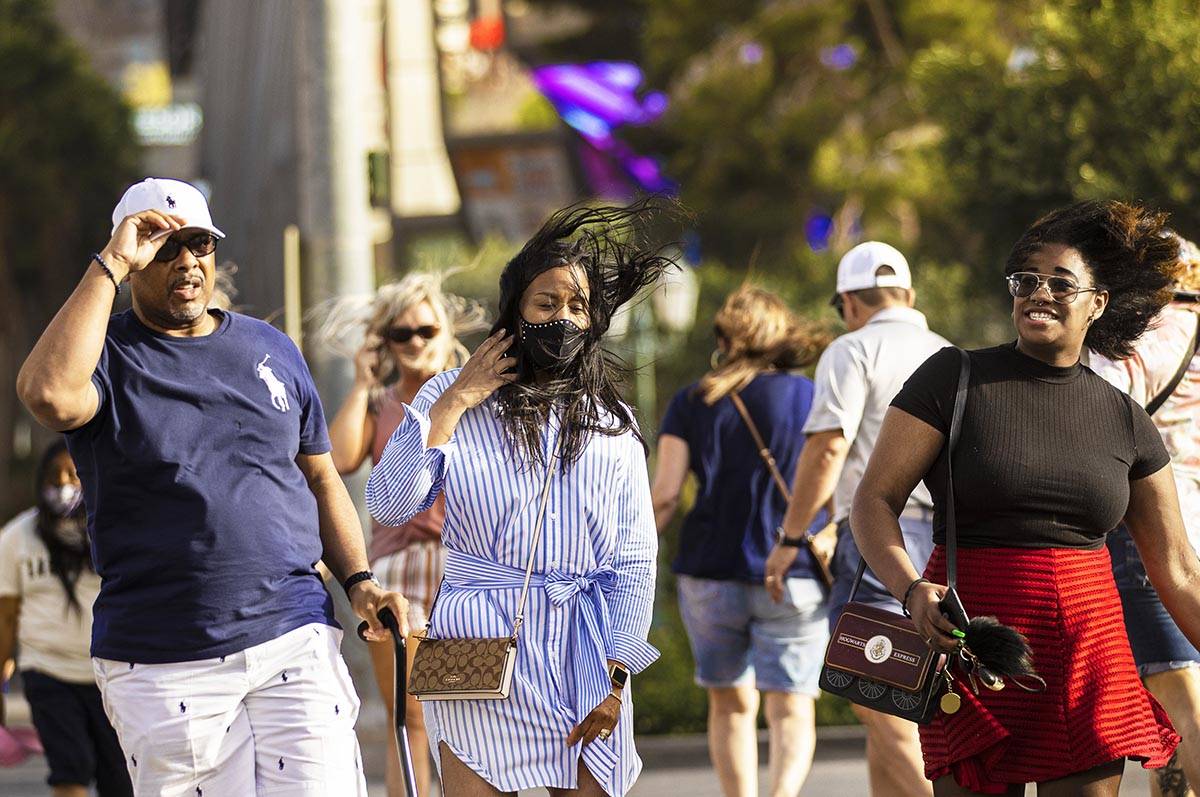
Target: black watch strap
(358,578)
(790,542)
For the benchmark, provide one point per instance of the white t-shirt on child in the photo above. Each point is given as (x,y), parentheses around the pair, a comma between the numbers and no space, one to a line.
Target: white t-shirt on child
(53,638)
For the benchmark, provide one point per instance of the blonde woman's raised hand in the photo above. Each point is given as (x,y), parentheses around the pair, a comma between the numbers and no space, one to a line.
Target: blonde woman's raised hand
(366,362)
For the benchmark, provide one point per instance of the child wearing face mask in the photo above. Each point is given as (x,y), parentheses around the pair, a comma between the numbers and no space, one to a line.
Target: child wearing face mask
(47,587)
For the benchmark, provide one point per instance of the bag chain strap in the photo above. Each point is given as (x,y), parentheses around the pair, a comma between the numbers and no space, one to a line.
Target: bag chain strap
(519,620)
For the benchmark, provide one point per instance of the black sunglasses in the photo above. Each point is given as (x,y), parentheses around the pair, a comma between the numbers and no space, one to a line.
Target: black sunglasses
(199,245)
(405,334)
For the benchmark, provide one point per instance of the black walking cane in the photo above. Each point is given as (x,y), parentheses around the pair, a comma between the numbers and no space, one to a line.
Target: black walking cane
(399,696)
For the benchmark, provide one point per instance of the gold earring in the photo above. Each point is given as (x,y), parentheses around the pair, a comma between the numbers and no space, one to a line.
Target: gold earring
(714,360)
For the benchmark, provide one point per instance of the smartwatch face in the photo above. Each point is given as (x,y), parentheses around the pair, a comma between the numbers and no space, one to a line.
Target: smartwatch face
(618,676)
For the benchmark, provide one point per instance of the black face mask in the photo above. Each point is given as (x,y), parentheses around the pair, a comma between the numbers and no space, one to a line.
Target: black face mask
(553,345)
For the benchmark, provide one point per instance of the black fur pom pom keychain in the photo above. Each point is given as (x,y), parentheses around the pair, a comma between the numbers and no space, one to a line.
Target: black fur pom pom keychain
(991,651)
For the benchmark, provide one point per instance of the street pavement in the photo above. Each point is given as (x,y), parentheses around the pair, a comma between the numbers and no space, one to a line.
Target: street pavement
(675,766)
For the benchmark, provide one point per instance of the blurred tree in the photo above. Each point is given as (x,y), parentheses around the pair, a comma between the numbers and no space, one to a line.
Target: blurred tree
(1099,101)
(793,128)
(66,150)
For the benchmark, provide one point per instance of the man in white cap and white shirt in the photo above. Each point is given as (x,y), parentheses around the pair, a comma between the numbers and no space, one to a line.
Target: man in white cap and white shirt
(211,495)
(857,378)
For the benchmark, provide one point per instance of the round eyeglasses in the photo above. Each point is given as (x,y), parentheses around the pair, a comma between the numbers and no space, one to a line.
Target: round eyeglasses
(1062,290)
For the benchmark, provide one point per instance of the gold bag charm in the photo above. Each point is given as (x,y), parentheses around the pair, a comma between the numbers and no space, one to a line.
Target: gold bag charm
(950,702)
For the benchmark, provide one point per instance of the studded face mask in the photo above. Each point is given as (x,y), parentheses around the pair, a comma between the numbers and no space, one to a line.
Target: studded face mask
(552,345)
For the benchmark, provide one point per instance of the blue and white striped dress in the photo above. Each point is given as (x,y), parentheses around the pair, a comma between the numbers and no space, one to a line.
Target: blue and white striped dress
(590,599)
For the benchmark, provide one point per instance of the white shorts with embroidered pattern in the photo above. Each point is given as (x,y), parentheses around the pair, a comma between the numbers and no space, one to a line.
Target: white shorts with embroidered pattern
(275,719)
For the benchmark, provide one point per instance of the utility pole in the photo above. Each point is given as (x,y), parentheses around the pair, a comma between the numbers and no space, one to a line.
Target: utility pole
(335,222)
(335,230)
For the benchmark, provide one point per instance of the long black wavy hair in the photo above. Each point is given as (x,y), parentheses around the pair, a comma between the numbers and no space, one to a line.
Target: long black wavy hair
(66,563)
(610,245)
(1131,255)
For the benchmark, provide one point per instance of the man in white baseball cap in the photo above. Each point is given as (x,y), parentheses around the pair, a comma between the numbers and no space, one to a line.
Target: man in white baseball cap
(205,461)
(857,378)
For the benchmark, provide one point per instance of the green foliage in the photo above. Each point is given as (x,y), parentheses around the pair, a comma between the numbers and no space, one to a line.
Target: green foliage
(66,152)
(66,149)
(1100,103)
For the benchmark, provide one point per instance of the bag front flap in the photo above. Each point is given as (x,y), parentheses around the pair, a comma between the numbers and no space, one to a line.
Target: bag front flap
(459,664)
(881,646)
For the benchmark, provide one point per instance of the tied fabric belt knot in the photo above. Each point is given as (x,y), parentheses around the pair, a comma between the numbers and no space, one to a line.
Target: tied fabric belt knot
(590,619)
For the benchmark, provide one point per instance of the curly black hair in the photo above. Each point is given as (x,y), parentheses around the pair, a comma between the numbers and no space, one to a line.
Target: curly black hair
(610,245)
(1131,255)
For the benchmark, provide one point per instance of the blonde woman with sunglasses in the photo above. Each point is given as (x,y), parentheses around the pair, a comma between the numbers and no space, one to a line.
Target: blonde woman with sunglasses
(409,333)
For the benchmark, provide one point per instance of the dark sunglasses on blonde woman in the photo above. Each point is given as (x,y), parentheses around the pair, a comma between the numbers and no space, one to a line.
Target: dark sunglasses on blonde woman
(199,245)
(1063,290)
(405,334)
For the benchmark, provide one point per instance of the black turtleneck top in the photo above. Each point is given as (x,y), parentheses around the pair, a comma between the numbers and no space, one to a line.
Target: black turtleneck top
(1046,453)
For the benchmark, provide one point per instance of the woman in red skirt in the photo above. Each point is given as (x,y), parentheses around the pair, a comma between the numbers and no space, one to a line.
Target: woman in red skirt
(1050,459)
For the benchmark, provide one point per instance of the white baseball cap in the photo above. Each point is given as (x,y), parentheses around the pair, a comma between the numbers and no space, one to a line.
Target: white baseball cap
(856,270)
(173,197)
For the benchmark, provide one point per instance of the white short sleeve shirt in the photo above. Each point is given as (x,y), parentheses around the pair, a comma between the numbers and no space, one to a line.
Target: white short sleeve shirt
(53,638)
(857,378)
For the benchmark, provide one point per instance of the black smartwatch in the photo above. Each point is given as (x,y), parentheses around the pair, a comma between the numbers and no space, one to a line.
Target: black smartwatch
(618,675)
(783,539)
(358,578)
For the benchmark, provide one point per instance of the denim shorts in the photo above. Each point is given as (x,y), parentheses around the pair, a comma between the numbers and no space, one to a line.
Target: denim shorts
(918,541)
(740,637)
(1158,644)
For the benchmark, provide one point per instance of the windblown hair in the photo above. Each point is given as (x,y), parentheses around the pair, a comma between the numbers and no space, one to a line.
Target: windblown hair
(224,288)
(66,563)
(1188,279)
(609,245)
(1130,255)
(350,320)
(760,334)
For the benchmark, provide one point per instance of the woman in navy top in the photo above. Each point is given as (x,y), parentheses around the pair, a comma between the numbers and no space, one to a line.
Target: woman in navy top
(742,641)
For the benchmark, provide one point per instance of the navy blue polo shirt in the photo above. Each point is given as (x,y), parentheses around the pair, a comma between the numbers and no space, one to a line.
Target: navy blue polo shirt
(203,528)
(730,529)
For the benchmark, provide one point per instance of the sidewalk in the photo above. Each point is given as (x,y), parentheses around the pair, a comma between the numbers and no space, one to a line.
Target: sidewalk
(674,765)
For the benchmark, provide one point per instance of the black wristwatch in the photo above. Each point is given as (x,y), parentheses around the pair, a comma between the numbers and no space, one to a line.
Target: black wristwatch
(783,539)
(358,578)
(618,675)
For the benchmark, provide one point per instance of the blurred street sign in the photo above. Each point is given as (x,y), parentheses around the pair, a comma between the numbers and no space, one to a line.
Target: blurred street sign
(176,124)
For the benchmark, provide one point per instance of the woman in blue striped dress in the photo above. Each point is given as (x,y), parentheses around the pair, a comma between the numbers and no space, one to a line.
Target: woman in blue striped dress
(540,403)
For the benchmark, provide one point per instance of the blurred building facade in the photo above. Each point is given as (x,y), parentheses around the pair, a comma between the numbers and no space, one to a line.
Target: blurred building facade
(438,120)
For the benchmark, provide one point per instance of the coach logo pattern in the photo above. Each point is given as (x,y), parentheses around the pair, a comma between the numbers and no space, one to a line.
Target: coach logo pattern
(878,649)
(466,664)
(279,396)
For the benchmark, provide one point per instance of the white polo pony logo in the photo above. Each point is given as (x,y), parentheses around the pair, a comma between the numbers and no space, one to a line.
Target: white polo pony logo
(279,398)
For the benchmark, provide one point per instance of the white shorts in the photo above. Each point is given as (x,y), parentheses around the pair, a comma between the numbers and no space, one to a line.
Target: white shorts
(275,719)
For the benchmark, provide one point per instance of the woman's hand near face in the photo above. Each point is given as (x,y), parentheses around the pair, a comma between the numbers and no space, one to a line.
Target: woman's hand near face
(366,363)
(488,369)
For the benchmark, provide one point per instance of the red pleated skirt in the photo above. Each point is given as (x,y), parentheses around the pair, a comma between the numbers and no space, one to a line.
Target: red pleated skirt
(1094,709)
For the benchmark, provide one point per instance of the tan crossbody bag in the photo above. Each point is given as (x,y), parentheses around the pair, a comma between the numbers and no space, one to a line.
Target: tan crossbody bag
(473,668)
